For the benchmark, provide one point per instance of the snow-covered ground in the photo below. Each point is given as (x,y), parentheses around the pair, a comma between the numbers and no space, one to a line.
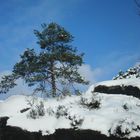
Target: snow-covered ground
(95,111)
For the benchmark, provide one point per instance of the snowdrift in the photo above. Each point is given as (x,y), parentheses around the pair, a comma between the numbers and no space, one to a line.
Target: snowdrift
(106,114)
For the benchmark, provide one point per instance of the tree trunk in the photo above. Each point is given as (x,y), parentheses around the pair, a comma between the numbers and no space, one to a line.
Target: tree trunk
(53,83)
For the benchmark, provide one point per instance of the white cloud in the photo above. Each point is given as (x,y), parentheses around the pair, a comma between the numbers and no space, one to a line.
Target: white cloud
(89,73)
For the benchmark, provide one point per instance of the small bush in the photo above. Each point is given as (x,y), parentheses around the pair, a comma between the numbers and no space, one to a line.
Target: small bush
(61,111)
(40,109)
(37,111)
(119,132)
(91,103)
(76,120)
(33,114)
(123,128)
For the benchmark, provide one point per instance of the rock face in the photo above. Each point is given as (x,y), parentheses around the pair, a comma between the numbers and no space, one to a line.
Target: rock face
(126,90)
(15,133)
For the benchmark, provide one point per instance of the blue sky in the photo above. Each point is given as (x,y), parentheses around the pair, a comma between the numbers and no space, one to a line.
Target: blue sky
(107,31)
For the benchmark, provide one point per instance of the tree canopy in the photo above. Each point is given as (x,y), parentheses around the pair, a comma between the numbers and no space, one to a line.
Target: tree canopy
(56,63)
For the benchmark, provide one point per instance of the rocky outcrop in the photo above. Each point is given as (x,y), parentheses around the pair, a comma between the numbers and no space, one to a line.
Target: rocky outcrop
(3,121)
(126,90)
(15,133)
(133,72)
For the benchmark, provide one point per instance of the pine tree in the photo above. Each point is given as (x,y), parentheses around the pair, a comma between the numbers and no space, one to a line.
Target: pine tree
(55,41)
(57,60)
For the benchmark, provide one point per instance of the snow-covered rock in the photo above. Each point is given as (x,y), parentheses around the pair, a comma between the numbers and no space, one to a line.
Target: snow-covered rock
(133,72)
(122,86)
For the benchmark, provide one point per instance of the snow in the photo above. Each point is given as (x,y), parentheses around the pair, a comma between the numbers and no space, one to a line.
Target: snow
(135,82)
(114,111)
